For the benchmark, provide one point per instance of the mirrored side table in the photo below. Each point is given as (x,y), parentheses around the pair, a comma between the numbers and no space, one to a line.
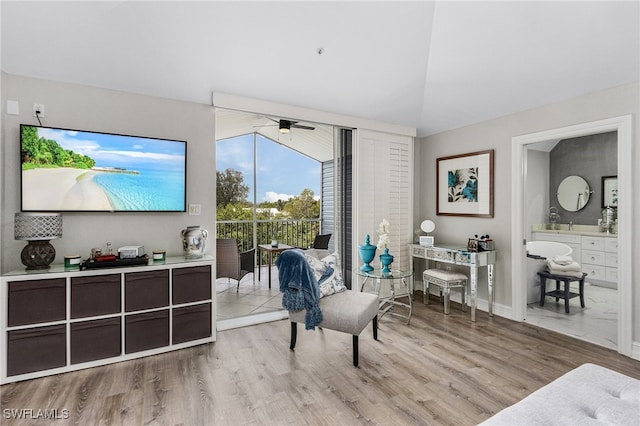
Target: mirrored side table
(399,290)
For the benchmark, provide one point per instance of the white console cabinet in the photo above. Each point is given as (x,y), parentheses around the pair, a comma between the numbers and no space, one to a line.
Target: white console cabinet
(65,319)
(597,254)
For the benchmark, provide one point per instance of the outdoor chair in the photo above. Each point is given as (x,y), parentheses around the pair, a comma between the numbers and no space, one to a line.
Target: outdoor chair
(321,242)
(232,264)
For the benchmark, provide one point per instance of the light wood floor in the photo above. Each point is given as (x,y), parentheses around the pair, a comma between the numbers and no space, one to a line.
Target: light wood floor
(439,370)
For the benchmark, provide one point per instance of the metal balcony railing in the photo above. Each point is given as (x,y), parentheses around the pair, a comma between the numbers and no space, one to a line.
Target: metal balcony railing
(297,233)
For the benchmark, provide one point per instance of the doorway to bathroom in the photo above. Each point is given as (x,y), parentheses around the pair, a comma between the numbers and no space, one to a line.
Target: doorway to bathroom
(563,205)
(611,307)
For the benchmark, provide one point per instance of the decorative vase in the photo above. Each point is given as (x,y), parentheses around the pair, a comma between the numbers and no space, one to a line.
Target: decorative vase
(367,254)
(385,260)
(194,242)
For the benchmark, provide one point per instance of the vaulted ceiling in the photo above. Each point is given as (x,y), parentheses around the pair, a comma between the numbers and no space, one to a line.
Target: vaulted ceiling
(430,65)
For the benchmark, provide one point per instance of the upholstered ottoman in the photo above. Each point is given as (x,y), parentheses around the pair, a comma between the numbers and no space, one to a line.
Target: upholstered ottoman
(587,395)
(446,280)
(348,311)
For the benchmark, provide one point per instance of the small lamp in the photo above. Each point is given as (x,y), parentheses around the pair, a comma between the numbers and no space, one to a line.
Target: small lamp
(38,229)
(428,227)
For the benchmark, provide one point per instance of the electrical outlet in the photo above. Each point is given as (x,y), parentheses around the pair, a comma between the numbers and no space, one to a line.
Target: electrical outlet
(194,209)
(39,109)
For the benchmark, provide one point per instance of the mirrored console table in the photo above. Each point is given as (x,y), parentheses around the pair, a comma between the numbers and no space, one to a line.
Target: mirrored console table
(456,255)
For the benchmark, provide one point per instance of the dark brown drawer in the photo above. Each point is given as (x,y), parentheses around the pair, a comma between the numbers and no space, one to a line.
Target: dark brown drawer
(98,339)
(33,302)
(36,349)
(191,323)
(146,290)
(146,331)
(191,284)
(95,295)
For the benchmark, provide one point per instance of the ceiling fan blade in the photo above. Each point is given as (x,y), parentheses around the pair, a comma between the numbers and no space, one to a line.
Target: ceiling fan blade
(300,126)
(287,124)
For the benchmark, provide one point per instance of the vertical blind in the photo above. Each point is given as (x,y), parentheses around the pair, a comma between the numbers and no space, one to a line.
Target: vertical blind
(383,171)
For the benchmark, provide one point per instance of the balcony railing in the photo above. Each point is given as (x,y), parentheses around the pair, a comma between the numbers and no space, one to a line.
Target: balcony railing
(297,233)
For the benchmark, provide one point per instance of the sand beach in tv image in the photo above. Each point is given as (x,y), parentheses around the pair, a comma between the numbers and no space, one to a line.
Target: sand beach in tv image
(63,188)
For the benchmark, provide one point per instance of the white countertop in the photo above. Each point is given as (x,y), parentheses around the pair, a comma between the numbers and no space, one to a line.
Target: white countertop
(60,269)
(589,230)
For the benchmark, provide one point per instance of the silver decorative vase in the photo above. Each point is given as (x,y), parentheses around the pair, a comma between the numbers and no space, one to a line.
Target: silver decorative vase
(194,241)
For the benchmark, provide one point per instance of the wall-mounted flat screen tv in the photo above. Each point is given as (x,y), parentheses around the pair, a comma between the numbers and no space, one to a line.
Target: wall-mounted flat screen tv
(79,171)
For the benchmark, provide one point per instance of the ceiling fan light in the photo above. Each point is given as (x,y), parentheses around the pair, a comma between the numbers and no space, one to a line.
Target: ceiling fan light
(285,127)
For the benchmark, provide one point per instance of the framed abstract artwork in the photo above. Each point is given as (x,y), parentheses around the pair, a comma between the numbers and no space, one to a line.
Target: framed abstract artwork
(609,191)
(464,184)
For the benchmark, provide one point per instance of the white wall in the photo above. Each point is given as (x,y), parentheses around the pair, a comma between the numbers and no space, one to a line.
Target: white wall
(88,108)
(537,190)
(497,134)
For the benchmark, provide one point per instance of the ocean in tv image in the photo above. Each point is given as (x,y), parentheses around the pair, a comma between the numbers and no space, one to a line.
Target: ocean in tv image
(69,170)
(147,190)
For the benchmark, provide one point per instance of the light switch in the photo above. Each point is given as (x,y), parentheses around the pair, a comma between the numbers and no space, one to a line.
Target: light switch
(13,108)
(194,209)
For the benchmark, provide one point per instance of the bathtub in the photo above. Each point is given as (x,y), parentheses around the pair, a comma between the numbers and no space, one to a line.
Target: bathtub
(545,249)
(548,249)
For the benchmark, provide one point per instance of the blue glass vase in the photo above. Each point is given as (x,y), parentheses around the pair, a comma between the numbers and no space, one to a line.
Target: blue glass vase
(385,260)
(367,254)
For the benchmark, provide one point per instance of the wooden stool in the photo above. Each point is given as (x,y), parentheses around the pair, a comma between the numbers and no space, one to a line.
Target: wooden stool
(446,280)
(561,294)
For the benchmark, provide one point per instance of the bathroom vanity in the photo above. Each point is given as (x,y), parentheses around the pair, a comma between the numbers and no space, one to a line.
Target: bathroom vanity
(596,251)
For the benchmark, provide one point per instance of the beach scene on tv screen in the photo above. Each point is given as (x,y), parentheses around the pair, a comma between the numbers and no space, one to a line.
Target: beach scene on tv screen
(68,170)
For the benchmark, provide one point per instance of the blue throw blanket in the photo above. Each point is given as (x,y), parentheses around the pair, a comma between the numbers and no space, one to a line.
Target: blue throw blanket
(299,286)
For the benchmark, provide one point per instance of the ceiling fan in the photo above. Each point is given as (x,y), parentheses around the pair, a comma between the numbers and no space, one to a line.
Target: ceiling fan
(285,126)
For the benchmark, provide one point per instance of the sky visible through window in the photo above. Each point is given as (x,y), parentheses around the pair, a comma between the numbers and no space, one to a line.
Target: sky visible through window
(281,172)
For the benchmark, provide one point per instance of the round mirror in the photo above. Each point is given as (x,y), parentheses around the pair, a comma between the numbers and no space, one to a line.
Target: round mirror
(427,226)
(573,193)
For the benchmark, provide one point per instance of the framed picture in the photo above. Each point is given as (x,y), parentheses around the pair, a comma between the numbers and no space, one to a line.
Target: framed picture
(464,184)
(610,191)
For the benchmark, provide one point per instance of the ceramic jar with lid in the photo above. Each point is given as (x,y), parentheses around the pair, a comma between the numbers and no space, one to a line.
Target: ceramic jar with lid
(194,241)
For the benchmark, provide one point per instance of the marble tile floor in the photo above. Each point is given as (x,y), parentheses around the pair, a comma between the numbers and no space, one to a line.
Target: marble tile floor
(595,323)
(251,298)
